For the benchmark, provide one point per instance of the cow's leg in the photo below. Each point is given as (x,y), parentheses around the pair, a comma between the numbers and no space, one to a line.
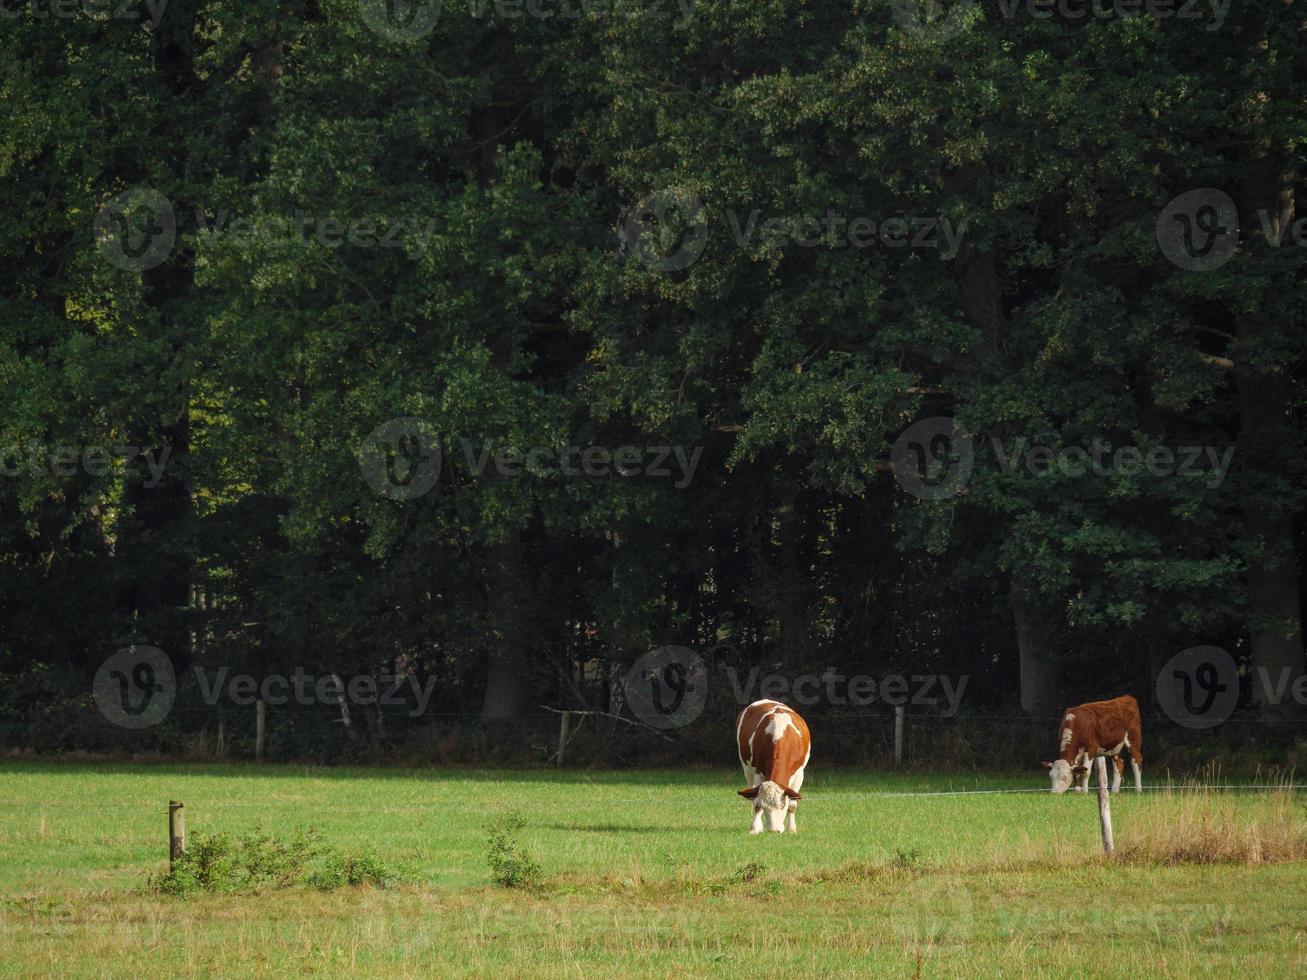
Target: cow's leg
(1136,744)
(753,778)
(796,783)
(1118,767)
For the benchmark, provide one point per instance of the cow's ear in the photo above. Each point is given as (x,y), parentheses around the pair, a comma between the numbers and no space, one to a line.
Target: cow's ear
(1080,770)
(749,793)
(793,794)
(1047,765)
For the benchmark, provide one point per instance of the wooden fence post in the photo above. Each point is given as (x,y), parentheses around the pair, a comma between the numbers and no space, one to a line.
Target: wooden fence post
(564,724)
(1104,805)
(176,832)
(260,728)
(899,711)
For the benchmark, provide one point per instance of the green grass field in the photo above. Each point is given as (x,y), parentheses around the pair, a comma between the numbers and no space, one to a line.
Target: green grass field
(646,874)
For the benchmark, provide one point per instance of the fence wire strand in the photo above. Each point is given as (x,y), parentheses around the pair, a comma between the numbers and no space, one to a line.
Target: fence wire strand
(820,797)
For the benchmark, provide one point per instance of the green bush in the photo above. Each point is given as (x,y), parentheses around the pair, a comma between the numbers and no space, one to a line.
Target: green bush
(217,863)
(906,858)
(339,871)
(510,863)
(206,866)
(748,872)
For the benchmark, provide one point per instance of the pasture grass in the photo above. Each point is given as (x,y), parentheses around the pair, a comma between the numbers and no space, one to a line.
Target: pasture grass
(651,874)
(1192,823)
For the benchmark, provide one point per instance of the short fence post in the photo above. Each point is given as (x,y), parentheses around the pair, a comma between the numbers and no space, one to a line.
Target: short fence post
(564,724)
(176,833)
(260,727)
(898,734)
(1104,805)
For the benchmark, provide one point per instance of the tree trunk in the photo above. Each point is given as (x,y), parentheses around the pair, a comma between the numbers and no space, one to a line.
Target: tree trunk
(1276,628)
(1267,442)
(1268,439)
(1159,652)
(508,678)
(981,291)
(791,581)
(1041,680)
(151,543)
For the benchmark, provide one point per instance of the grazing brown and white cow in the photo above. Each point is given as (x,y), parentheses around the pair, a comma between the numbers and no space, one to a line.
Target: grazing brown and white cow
(774,748)
(1094,729)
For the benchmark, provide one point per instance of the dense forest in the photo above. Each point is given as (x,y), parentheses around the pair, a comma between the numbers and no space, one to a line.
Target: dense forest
(495,344)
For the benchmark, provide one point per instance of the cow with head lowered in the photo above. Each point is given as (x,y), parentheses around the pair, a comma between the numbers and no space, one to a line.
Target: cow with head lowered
(774,748)
(1087,731)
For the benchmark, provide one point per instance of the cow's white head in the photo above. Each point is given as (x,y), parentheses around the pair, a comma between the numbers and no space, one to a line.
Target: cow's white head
(770,801)
(1059,773)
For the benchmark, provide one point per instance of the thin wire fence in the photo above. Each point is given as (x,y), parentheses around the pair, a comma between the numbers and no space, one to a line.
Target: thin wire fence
(821,796)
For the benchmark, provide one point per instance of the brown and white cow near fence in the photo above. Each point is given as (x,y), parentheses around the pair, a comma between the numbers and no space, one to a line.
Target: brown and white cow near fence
(1094,729)
(774,748)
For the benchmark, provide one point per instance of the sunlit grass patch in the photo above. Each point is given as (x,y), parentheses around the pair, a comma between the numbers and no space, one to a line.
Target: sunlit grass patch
(643,874)
(1194,823)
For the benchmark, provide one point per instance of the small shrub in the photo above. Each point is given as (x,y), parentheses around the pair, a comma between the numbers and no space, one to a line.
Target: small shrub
(340,871)
(267,860)
(207,865)
(217,863)
(749,872)
(906,859)
(510,863)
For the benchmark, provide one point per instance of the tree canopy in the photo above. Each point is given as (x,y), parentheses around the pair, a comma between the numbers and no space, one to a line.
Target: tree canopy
(956,338)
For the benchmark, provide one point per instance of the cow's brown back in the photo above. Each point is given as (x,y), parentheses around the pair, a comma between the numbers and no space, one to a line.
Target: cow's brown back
(775,759)
(1101,726)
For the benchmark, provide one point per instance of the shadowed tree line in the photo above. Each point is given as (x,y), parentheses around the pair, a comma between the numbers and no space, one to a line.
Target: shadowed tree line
(757,242)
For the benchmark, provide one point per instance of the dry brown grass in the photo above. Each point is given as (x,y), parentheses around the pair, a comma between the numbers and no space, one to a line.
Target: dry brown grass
(1193,823)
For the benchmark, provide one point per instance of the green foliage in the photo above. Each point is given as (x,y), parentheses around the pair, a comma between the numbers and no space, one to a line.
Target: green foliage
(749,872)
(258,861)
(502,153)
(906,858)
(339,871)
(511,865)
